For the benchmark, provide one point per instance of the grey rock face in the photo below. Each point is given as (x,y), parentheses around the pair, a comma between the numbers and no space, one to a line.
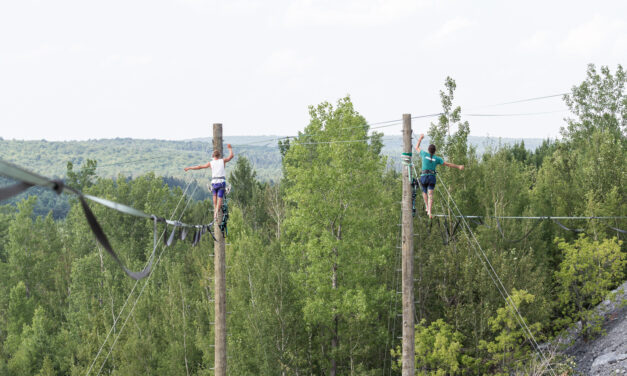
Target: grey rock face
(607,354)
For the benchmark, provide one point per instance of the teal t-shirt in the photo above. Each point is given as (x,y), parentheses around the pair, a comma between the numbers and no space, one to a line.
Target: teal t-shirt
(429,163)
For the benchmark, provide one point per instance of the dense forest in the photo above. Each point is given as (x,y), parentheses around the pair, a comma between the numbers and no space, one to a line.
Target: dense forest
(131,157)
(313,258)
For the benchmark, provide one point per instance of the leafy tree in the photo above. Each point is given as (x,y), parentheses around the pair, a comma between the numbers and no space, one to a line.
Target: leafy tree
(34,343)
(336,198)
(47,368)
(450,136)
(598,104)
(6,215)
(247,192)
(265,326)
(439,350)
(544,150)
(507,350)
(82,179)
(19,314)
(585,277)
(453,145)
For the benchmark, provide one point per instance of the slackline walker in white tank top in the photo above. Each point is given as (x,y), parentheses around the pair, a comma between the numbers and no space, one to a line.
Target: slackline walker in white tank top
(217,171)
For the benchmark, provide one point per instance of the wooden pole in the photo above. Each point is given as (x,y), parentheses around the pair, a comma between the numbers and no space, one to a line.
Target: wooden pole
(408,259)
(220,279)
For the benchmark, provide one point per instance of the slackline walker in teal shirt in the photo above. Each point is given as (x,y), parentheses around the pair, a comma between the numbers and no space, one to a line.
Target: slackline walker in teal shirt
(430,162)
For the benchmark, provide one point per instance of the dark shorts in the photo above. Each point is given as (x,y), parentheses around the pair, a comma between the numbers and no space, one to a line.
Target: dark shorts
(427,182)
(218,189)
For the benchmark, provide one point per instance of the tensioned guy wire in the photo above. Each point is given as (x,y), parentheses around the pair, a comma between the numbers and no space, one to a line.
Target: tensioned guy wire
(531,217)
(134,286)
(518,114)
(141,291)
(520,101)
(497,280)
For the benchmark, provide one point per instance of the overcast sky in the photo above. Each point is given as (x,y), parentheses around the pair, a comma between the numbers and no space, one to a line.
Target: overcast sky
(168,69)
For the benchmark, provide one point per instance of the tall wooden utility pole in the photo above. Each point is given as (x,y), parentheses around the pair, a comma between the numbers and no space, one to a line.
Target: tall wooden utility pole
(408,257)
(219,278)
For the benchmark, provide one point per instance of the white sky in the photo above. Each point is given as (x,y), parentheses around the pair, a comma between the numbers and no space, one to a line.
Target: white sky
(168,69)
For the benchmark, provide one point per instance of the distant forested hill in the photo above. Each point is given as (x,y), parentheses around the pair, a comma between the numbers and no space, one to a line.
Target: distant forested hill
(128,158)
(133,157)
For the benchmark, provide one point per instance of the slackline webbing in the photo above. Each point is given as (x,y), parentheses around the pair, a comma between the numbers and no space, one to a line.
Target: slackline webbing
(28,179)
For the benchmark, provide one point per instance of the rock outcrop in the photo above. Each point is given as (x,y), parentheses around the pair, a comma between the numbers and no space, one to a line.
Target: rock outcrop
(607,354)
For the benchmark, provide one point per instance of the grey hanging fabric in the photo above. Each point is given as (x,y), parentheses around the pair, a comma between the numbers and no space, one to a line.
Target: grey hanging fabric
(171,237)
(444,234)
(208,227)
(448,234)
(498,224)
(617,229)
(197,236)
(13,190)
(28,179)
(102,239)
(479,222)
(576,230)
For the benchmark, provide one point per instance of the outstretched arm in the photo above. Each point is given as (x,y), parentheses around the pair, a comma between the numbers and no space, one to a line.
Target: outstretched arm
(452,165)
(199,167)
(230,153)
(422,135)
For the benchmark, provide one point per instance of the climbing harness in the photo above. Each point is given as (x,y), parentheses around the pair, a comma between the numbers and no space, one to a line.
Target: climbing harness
(407,162)
(415,183)
(225,218)
(428,172)
(225,211)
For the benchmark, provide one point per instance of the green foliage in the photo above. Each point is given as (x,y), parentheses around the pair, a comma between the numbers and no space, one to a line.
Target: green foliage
(451,146)
(247,192)
(589,271)
(83,178)
(34,343)
(333,191)
(439,351)
(47,368)
(599,104)
(508,348)
(134,157)
(312,259)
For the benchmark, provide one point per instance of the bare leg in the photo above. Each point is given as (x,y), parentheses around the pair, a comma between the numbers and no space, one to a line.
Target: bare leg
(430,202)
(424,197)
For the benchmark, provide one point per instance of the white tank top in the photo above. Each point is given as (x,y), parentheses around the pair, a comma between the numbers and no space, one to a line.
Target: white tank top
(217,171)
